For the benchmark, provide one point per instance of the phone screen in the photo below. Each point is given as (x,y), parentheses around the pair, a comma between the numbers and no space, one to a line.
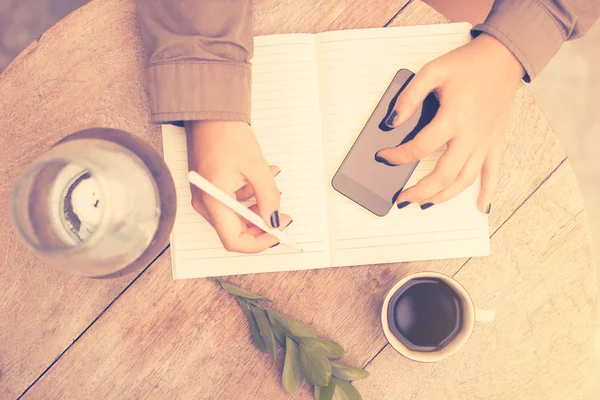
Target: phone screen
(372,184)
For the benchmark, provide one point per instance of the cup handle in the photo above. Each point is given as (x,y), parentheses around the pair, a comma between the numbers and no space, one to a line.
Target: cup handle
(484,315)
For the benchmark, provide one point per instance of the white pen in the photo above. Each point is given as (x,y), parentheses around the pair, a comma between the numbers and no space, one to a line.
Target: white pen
(207,187)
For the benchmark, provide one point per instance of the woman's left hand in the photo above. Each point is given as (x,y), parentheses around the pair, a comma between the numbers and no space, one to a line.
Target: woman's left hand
(475,85)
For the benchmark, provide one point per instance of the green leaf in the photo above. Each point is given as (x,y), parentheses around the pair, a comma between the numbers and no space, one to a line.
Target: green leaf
(278,332)
(346,390)
(323,346)
(347,373)
(292,371)
(326,392)
(315,367)
(339,394)
(265,330)
(291,326)
(239,292)
(258,340)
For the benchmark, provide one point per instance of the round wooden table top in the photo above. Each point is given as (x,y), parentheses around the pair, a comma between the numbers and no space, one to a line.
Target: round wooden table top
(147,336)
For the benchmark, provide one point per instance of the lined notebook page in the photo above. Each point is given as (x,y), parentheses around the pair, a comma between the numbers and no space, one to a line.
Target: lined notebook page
(286,121)
(355,68)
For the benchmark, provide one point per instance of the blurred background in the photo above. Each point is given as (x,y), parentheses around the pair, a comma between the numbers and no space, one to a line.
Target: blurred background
(566,90)
(23,21)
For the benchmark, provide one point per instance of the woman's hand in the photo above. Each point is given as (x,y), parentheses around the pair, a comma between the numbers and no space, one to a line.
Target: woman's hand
(475,85)
(227,154)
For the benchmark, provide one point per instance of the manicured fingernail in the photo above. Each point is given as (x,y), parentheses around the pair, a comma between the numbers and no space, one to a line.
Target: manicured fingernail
(391,120)
(384,161)
(275,245)
(275,219)
(403,204)
(289,223)
(426,206)
(489,208)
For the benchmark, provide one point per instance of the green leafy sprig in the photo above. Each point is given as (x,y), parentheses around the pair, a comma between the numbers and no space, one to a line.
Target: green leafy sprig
(306,355)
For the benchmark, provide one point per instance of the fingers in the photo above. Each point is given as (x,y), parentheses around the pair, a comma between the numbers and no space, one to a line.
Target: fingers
(432,137)
(252,242)
(467,176)
(267,194)
(490,176)
(490,172)
(198,204)
(444,183)
(413,95)
(247,191)
(446,171)
(236,234)
(233,232)
(286,221)
(262,238)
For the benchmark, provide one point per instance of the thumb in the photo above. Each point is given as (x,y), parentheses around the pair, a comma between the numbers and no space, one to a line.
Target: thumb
(267,194)
(411,98)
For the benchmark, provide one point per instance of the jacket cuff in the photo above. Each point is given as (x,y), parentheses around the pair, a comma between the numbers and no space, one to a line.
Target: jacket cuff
(199,90)
(527,29)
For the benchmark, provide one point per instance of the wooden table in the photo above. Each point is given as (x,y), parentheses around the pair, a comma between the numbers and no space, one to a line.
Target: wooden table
(146,336)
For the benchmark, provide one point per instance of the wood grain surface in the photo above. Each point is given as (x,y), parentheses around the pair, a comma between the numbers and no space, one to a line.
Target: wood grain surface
(187,339)
(88,71)
(538,280)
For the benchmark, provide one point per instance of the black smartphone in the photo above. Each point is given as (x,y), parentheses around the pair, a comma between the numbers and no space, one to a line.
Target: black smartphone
(372,184)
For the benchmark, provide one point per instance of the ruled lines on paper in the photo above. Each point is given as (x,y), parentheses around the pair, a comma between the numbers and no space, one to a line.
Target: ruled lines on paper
(311,95)
(355,68)
(286,122)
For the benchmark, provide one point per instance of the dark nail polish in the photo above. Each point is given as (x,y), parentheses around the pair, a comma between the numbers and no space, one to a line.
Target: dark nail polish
(384,161)
(275,219)
(426,206)
(396,196)
(289,223)
(275,245)
(489,208)
(391,120)
(403,204)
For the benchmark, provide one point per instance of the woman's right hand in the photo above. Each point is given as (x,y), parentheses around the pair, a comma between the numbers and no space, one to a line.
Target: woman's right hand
(228,155)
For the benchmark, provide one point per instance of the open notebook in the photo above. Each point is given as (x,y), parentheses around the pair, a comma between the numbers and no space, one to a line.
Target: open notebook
(311,96)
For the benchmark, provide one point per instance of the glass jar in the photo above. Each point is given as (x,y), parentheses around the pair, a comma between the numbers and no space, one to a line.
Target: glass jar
(89,206)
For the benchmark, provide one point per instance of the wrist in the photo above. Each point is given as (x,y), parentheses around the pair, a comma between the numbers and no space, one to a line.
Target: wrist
(206,127)
(498,53)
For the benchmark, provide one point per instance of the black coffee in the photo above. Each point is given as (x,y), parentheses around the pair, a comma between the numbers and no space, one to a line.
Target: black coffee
(425,314)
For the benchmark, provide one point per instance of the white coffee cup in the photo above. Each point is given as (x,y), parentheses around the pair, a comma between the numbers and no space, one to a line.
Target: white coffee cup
(469,315)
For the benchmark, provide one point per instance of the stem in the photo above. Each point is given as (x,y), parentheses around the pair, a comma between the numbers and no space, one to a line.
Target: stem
(255,304)
(214,280)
